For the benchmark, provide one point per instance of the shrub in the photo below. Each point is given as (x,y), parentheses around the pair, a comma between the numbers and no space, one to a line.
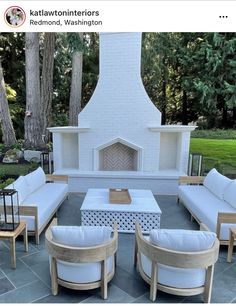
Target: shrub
(5,183)
(214,134)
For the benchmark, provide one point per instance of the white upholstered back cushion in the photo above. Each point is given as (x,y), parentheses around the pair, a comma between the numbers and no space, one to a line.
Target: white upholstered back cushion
(230,193)
(216,183)
(22,187)
(81,236)
(35,179)
(182,240)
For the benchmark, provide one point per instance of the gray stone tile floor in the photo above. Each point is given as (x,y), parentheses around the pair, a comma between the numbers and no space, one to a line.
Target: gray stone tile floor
(30,281)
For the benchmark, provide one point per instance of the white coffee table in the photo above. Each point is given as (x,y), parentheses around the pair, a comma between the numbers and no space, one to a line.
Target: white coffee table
(96,210)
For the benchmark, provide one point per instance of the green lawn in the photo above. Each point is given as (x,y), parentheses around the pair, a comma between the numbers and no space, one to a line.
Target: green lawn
(14,169)
(219,153)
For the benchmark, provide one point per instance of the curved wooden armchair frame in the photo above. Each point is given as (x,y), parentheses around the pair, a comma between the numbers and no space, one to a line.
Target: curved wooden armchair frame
(71,254)
(157,255)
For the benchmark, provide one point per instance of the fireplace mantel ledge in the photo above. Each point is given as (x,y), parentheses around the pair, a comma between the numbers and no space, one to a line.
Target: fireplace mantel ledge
(69,129)
(172,128)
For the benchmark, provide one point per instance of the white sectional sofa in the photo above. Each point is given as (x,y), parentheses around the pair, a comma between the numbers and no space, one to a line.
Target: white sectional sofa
(211,201)
(38,199)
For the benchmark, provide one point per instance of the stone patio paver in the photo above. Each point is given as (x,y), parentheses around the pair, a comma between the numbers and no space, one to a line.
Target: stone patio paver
(32,277)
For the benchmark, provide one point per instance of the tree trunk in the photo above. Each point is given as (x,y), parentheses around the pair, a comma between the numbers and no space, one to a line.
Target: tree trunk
(163,108)
(184,108)
(225,117)
(47,81)
(33,114)
(76,86)
(8,133)
(234,117)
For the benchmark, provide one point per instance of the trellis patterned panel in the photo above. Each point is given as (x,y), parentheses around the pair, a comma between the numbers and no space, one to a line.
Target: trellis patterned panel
(126,220)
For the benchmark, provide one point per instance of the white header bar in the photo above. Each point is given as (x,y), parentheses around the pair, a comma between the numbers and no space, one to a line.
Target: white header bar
(141,16)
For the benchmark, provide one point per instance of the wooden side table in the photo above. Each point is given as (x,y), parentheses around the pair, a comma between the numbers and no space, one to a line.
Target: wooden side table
(12,235)
(232,237)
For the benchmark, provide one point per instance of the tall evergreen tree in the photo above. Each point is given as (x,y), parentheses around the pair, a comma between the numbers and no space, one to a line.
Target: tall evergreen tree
(8,132)
(47,81)
(76,43)
(33,114)
(217,85)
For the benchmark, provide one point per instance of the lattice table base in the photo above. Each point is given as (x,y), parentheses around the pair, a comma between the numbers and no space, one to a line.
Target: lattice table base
(126,220)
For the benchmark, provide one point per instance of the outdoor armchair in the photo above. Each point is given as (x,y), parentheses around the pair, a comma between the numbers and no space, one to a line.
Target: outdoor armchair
(81,257)
(173,271)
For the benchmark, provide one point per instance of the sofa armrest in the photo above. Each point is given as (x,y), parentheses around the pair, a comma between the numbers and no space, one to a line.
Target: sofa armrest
(191,180)
(51,178)
(28,210)
(224,218)
(23,210)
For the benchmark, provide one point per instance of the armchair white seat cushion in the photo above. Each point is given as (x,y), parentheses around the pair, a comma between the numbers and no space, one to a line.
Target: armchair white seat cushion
(81,236)
(175,277)
(183,241)
(82,272)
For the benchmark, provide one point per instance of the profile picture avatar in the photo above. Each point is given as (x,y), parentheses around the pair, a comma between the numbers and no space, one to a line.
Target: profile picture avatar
(14,16)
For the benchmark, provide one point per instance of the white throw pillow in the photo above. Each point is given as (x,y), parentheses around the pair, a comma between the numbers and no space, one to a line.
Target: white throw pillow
(22,187)
(216,183)
(182,240)
(35,179)
(81,236)
(230,194)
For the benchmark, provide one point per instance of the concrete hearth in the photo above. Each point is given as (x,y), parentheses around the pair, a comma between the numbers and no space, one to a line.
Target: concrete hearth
(120,141)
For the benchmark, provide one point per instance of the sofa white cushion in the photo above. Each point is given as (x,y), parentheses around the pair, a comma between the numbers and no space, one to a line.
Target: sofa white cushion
(47,198)
(230,194)
(205,206)
(81,236)
(22,187)
(36,179)
(182,240)
(216,183)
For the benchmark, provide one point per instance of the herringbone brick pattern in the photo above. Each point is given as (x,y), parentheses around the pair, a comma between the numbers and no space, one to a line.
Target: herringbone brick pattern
(118,157)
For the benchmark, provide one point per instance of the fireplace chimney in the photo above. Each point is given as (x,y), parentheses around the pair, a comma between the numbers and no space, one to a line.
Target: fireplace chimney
(120,88)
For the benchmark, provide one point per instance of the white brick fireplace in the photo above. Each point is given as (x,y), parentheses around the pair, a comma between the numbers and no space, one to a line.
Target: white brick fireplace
(120,141)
